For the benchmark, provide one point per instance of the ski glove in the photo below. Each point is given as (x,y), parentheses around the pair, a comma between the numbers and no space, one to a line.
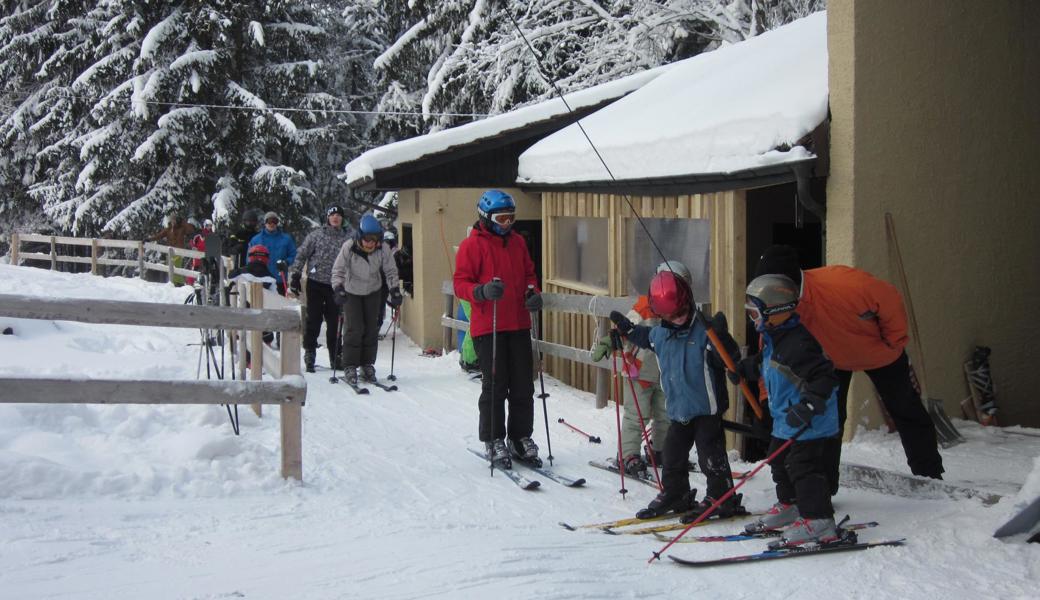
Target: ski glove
(294,284)
(395,298)
(720,326)
(747,369)
(533,302)
(341,296)
(621,322)
(801,414)
(490,291)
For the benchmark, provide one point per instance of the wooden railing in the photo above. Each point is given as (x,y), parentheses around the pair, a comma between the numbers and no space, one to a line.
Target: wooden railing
(288,392)
(97,256)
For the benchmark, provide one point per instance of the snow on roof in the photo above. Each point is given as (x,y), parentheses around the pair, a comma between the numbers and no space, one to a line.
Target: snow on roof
(724,111)
(363,167)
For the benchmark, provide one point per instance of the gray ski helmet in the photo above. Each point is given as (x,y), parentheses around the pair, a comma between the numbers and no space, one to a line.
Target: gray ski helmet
(678,268)
(770,295)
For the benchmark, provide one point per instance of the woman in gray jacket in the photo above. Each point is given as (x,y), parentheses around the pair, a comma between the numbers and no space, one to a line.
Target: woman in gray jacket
(357,279)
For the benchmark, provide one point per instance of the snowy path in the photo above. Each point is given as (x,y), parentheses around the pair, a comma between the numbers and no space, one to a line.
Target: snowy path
(164,502)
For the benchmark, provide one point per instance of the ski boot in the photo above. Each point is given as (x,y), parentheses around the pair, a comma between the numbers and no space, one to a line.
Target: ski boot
(368,374)
(667,502)
(498,454)
(808,532)
(350,375)
(308,360)
(778,516)
(730,508)
(635,465)
(526,450)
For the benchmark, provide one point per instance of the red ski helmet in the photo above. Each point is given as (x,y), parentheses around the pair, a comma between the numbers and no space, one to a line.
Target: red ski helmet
(259,252)
(670,296)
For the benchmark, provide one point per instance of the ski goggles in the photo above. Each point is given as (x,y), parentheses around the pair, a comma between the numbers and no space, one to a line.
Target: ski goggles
(504,219)
(759,315)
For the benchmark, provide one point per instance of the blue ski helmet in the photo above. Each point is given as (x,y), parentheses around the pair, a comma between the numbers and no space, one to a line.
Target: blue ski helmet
(493,202)
(369,225)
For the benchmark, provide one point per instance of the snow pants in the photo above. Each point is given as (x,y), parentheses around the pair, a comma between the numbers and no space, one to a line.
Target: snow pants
(321,308)
(514,383)
(361,319)
(800,478)
(902,400)
(706,433)
(652,406)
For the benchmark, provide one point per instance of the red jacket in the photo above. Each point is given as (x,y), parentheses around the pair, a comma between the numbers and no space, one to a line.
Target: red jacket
(484,255)
(858,319)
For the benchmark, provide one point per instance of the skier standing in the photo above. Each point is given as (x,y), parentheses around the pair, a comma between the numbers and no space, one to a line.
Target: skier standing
(802,386)
(861,323)
(317,254)
(692,375)
(357,283)
(279,244)
(494,271)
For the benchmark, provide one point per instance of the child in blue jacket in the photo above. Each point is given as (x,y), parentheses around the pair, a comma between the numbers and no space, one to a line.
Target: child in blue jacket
(693,379)
(802,389)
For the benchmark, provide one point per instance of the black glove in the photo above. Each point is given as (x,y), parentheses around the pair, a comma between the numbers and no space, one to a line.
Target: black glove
(491,290)
(747,369)
(395,298)
(294,284)
(801,414)
(621,322)
(533,301)
(341,296)
(720,326)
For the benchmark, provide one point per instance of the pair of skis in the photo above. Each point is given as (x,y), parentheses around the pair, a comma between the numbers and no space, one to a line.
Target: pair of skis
(529,484)
(359,389)
(647,477)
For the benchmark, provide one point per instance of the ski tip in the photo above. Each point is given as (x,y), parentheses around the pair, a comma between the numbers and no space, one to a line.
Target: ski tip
(568,527)
(609,531)
(578,483)
(533,485)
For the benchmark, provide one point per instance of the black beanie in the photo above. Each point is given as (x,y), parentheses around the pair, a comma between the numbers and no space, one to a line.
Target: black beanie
(780,260)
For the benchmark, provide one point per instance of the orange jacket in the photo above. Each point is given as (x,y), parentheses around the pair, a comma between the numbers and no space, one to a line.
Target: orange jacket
(859,319)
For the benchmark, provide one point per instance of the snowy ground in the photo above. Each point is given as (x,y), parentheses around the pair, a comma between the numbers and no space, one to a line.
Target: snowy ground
(165,502)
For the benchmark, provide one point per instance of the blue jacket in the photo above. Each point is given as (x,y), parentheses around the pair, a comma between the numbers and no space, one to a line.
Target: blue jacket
(794,368)
(691,371)
(280,246)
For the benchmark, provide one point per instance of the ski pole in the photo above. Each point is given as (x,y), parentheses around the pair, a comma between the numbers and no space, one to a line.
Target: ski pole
(615,340)
(642,422)
(393,343)
(337,349)
(592,438)
(732,490)
(541,378)
(494,353)
(731,365)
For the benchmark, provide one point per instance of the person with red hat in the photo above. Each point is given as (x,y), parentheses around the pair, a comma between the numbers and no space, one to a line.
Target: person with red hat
(694,382)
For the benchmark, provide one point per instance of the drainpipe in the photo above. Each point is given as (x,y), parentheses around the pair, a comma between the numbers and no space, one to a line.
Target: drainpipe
(802,173)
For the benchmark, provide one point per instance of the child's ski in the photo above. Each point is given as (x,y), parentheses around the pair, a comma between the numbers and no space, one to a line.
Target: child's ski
(787,552)
(521,481)
(620,522)
(740,537)
(550,474)
(383,386)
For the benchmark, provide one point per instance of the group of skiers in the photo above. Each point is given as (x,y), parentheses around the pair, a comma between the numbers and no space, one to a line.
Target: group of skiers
(816,327)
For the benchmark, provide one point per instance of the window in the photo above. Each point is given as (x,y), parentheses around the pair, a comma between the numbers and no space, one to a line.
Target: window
(581,251)
(685,240)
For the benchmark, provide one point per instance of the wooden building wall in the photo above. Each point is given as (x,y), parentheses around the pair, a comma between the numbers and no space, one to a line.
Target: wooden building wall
(725,210)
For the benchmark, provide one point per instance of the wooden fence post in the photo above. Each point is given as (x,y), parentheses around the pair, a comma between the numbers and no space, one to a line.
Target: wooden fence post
(256,340)
(54,254)
(602,375)
(449,311)
(14,249)
(93,256)
(241,335)
(291,412)
(169,264)
(140,260)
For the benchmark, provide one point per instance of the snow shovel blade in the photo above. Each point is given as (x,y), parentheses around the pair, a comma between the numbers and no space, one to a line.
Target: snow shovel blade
(944,429)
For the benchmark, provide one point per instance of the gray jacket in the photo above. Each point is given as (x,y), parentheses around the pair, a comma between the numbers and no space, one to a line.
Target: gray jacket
(319,251)
(359,273)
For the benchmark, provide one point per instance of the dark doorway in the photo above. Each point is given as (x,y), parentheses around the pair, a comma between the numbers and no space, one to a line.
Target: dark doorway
(531,231)
(773,217)
(407,258)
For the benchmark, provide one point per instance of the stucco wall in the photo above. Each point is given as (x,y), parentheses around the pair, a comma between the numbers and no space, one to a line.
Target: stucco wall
(431,211)
(935,119)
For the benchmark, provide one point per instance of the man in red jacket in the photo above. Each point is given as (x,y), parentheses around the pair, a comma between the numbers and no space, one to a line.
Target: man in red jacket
(861,323)
(494,272)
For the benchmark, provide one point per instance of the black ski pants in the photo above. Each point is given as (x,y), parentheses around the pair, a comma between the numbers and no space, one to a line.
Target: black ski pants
(361,315)
(902,400)
(706,433)
(513,382)
(321,307)
(800,478)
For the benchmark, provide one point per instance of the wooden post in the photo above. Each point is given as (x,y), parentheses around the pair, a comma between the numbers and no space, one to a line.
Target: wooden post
(93,256)
(291,412)
(602,375)
(449,311)
(54,255)
(241,335)
(140,260)
(14,249)
(256,340)
(169,263)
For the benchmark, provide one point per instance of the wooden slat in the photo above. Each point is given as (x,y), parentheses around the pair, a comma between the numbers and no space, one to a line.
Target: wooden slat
(148,313)
(34,237)
(116,261)
(150,391)
(24,256)
(118,243)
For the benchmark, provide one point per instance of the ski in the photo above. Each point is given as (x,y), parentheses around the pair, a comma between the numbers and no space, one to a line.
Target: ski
(383,386)
(646,477)
(740,537)
(619,522)
(521,481)
(548,473)
(674,526)
(356,387)
(787,552)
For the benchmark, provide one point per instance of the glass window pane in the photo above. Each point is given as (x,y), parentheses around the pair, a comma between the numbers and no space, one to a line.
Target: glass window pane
(685,240)
(581,250)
